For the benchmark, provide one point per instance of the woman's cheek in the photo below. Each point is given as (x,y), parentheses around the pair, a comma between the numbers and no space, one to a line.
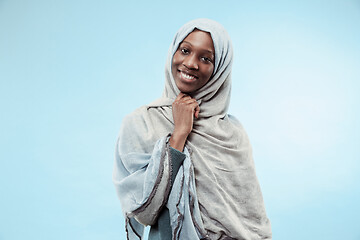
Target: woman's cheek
(210,71)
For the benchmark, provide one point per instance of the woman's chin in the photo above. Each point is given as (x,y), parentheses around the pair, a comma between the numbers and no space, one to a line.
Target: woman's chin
(185,88)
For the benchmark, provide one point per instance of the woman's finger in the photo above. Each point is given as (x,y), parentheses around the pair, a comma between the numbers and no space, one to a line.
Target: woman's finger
(185,97)
(196,108)
(197,111)
(188,100)
(178,97)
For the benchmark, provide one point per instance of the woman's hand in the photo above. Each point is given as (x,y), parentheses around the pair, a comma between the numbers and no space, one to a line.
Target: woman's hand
(184,109)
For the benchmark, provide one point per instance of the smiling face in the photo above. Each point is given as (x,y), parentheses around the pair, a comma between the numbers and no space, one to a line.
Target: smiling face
(193,62)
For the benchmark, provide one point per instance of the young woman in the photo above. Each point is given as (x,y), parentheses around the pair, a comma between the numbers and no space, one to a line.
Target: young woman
(183,165)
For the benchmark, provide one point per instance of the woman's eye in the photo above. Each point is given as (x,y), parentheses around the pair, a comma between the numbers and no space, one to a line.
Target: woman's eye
(184,51)
(206,59)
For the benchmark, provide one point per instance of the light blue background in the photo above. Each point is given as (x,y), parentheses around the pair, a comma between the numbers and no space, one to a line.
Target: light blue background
(71,70)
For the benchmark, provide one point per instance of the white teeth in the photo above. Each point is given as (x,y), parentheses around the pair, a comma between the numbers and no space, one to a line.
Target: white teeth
(186,76)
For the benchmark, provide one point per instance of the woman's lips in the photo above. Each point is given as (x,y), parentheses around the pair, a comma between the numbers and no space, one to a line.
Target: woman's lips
(187,77)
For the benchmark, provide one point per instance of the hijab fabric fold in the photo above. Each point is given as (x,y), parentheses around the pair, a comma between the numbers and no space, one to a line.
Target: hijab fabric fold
(216,194)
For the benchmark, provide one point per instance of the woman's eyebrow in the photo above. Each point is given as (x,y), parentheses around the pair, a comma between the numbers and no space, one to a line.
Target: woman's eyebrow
(211,52)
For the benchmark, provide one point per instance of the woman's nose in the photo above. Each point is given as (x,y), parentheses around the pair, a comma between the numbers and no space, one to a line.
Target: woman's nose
(191,62)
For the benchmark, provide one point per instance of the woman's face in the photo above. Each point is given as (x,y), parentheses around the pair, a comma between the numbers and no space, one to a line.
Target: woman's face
(193,62)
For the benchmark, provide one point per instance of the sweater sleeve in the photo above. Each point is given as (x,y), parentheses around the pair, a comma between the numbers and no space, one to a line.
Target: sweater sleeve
(176,159)
(161,230)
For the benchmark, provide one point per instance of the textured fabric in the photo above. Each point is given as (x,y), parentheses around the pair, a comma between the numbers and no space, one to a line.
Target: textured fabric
(161,230)
(176,159)
(142,180)
(216,193)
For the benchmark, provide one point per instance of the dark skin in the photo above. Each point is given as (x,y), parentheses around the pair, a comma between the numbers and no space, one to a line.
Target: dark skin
(192,67)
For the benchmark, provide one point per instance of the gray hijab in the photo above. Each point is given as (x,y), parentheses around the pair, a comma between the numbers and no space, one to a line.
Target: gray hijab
(223,195)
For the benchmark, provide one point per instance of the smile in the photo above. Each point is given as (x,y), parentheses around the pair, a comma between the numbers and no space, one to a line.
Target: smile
(187,77)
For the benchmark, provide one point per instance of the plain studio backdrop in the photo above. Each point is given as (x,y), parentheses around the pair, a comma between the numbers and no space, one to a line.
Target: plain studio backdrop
(71,70)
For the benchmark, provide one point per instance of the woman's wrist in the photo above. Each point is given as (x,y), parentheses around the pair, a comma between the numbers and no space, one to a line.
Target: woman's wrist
(177,141)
